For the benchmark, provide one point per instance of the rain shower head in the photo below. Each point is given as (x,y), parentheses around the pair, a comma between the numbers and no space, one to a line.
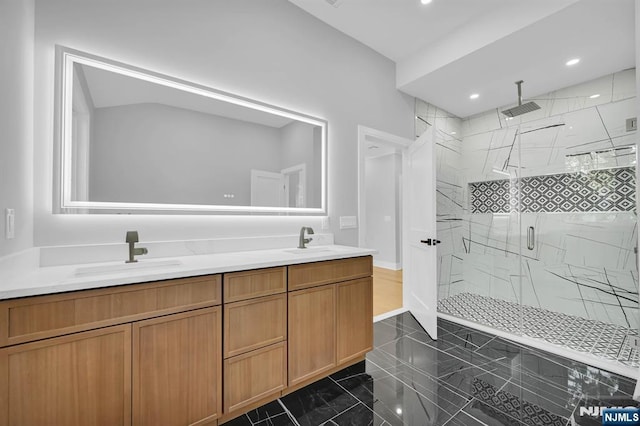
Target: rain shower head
(521,108)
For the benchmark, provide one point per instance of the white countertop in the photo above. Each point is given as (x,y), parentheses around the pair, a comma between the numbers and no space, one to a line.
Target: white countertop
(58,279)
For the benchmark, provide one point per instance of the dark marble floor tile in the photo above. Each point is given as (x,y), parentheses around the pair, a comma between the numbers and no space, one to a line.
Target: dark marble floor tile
(465,378)
(443,344)
(447,399)
(384,333)
(502,349)
(279,420)
(490,416)
(399,402)
(318,402)
(239,421)
(358,415)
(463,419)
(404,320)
(462,381)
(268,410)
(561,403)
(470,337)
(423,357)
(504,406)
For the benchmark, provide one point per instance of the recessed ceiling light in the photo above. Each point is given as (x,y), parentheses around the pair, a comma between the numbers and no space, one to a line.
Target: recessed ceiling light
(597,95)
(425,1)
(453,133)
(573,61)
(474,96)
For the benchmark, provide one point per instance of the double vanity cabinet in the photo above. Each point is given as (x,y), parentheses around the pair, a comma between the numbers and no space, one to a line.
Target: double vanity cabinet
(188,351)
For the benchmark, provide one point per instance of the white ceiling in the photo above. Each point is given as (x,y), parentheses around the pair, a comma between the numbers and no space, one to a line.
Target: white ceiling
(449,49)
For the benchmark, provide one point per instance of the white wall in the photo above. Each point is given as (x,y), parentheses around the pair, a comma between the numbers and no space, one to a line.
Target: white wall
(382,207)
(267,50)
(178,156)
(16,121)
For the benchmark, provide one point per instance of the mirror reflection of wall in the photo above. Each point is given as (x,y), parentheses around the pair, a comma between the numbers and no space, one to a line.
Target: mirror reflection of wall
(135,141)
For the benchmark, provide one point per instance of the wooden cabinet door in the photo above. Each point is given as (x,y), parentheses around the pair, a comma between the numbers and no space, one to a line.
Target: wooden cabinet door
(177,365)
(312,328)
(355,318)
(81,379)
(255,375)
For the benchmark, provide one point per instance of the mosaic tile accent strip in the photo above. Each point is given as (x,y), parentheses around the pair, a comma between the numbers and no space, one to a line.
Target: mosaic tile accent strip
(610,190)
(506,407)
(594,337)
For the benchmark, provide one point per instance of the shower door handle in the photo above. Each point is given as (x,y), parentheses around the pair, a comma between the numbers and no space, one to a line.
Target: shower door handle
(531,238)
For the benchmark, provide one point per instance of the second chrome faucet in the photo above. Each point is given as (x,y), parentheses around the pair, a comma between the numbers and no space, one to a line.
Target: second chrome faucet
(132,239)
(303,240)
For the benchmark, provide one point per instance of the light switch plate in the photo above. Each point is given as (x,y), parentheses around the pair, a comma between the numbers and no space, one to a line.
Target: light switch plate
(632,124)
(348,222)
(326,223)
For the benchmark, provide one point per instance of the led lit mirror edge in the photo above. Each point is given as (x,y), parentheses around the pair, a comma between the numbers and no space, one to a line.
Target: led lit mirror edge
(62,202)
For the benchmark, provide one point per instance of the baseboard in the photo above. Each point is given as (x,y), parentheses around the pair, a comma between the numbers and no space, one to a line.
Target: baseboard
(387,265)
(389,314)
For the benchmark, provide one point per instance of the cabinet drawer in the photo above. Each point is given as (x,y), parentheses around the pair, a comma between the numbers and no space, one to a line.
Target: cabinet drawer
(330,271)
(254,323)
(256,283)
(255,375)
(33,318)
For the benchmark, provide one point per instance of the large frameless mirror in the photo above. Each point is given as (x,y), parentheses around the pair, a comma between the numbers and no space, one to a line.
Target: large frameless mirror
(135,141)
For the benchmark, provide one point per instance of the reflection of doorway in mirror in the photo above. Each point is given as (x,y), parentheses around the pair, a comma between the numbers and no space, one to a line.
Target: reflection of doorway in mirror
(284,189)
(267,188)
(295,183)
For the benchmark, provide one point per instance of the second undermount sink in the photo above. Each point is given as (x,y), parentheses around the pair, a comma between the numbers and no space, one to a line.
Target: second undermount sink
(309,250)
(115,268)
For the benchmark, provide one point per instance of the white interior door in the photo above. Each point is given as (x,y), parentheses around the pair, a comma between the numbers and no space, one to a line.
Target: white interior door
(420,290)
(267,189)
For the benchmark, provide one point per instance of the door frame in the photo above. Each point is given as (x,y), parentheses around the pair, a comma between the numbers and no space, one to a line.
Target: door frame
(384,138)
(365,135)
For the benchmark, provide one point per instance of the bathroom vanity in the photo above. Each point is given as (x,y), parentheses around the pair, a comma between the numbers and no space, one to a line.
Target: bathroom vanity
(197,350)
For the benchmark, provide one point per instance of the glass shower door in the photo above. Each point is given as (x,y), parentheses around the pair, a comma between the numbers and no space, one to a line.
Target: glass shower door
(578,226)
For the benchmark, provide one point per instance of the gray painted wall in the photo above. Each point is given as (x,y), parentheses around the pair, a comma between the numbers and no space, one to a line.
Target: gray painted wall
(271,51)
(16,121)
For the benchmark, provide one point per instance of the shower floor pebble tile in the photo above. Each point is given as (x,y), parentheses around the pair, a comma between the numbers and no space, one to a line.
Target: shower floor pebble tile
(594,337)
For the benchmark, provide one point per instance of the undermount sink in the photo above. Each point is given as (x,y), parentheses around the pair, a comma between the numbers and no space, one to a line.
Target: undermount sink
(124,267)
(309,250)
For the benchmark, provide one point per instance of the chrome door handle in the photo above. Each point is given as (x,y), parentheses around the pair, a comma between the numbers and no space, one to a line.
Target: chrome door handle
(430,241)
(531,239)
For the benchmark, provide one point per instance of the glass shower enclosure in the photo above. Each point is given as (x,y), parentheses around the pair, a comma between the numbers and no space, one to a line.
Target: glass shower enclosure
(537,220)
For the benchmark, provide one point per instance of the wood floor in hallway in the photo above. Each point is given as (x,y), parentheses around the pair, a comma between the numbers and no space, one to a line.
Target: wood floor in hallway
(387,290)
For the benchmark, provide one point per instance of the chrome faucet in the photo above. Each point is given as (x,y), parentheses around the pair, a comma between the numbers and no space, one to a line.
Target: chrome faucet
(132,239)
(304,240)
